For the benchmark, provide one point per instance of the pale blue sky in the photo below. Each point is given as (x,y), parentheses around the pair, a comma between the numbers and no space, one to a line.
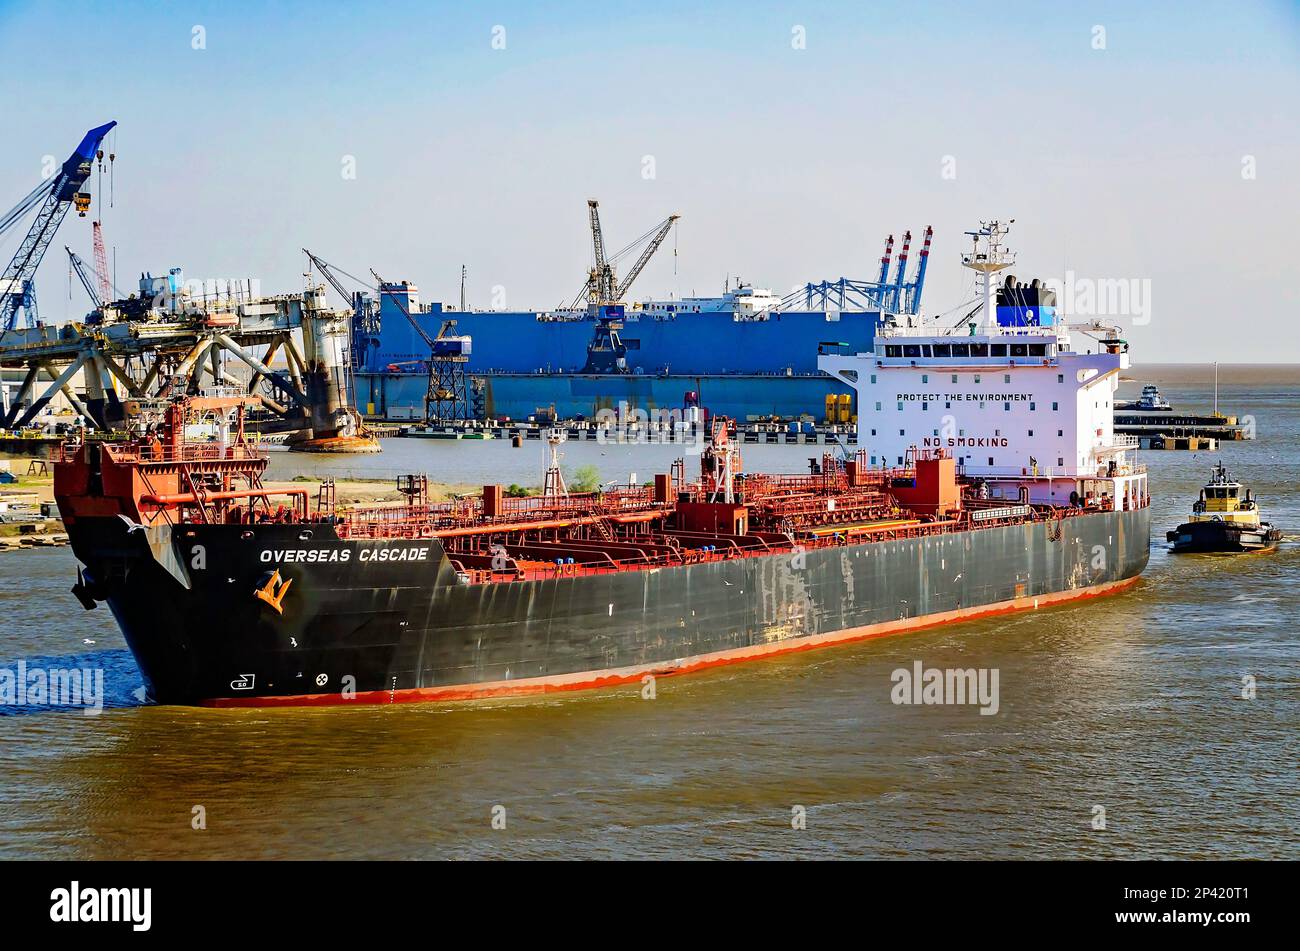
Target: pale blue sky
(786,164)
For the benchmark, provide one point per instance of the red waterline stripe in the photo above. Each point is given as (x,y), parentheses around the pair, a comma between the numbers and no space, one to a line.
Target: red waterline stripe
(591,680)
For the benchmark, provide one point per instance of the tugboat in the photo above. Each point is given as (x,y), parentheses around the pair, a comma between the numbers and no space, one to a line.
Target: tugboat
(1225,521)
(1150,401)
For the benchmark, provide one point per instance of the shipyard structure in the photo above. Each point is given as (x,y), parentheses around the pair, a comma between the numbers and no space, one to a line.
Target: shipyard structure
(747,353)
(137,351)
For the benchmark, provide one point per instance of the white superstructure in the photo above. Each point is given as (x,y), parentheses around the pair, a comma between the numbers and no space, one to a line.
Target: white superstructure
(1006,393)
(744,301)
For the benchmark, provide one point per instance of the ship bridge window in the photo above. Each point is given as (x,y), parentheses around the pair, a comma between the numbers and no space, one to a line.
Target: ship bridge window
(998,350)
(979,350)
(961,350)
(911,350)
(1019,350)
(892,350)
(942,350)
(1038,349)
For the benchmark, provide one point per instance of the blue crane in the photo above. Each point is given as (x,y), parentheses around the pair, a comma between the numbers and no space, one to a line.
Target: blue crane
(54,197)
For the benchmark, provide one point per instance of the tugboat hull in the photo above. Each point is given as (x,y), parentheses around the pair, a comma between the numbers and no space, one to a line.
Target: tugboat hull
(1222,538)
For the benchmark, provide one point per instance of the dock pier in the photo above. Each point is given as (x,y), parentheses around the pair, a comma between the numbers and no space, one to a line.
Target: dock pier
(640,433)
(1164,429)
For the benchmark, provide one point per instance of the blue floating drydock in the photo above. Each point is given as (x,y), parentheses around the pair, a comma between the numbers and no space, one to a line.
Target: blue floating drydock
(740,363)
(527,361)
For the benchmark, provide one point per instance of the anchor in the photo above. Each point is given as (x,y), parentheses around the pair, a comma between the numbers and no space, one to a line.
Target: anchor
(273,591)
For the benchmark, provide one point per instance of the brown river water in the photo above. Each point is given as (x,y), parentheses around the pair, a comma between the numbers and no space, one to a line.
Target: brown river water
(1131,703)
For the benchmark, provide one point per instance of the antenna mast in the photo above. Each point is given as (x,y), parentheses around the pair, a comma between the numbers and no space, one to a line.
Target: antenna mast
(553,486)
(987,260)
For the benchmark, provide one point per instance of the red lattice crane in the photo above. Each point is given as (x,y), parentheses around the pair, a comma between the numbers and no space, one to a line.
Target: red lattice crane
(101,265)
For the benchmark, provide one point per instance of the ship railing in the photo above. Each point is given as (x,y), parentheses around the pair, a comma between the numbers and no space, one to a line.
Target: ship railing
(533,570)
(767,488)
(1118,443)
(191,452)
(989,503)
(1125,469)
(128,452)
(963,333)
(396,521)
(421,520)
(629,498)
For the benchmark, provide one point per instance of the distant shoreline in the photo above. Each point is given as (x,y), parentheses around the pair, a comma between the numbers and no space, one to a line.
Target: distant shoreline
(1183,374)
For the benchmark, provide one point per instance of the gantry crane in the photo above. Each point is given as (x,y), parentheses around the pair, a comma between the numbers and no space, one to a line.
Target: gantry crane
(52,198)
(446,399)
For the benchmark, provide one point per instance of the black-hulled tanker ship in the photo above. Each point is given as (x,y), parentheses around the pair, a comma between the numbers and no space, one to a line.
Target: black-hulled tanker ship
(228,595)
(1005,490)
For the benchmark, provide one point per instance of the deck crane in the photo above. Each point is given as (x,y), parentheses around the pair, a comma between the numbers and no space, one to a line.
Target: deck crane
(603,287)
(667,225)
(101,264)
(365,316)
(52,198)
(87,281)
(600,281)
(446,399)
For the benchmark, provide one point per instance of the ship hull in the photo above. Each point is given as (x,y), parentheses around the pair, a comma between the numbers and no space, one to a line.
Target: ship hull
(400,396)
(1211,537)
(389,621)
